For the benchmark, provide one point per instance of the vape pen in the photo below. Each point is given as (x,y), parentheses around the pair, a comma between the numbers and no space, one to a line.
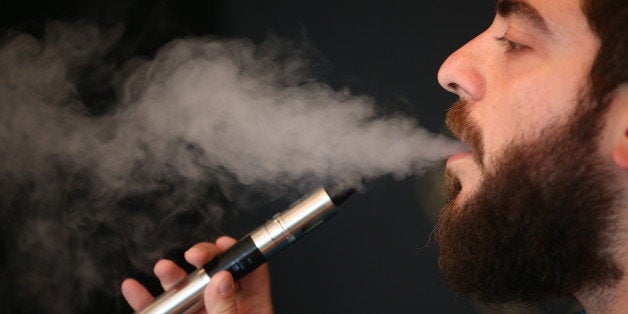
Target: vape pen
(253,250)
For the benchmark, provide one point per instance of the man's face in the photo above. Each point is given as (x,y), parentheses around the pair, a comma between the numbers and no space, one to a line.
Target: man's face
(530,204)
(520,76)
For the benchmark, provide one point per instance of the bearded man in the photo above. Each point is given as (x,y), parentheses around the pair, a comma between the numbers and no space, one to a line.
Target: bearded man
(538,206)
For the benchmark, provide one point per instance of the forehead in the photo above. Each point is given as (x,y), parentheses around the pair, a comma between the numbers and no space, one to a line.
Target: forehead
(563,17)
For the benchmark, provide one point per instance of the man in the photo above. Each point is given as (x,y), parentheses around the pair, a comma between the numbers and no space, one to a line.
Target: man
(539,205)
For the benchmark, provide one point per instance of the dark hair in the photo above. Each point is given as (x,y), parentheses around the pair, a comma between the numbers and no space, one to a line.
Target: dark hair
(609,20)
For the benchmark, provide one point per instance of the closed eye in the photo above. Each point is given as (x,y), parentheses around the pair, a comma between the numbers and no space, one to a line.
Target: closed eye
(510,45)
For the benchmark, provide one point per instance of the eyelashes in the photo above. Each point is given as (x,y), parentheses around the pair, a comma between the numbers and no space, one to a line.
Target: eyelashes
(510,46)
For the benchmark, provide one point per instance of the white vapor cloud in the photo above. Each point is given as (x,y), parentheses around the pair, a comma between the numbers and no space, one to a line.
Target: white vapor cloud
(202,112)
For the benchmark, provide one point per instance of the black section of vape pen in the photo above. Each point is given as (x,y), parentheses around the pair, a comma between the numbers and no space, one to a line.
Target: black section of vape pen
(242,258)
(338,195)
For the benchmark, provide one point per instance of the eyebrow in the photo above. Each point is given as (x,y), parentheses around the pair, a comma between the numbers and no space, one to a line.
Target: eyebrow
(524,10)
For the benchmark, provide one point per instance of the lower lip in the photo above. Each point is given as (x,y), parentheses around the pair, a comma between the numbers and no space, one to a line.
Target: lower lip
(458,156)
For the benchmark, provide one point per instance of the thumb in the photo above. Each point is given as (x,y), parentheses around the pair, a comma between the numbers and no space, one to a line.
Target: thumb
(220,297)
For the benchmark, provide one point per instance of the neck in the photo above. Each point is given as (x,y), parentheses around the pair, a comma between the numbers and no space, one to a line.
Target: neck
(610,300)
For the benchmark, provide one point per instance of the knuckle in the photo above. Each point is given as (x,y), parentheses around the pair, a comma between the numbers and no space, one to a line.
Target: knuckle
(227,307)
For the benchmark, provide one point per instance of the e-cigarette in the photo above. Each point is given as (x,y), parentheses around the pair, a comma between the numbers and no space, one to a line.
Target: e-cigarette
(253,250)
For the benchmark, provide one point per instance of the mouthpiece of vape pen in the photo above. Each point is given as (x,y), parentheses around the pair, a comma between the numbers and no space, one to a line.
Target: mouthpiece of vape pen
(339,195)
(253,250)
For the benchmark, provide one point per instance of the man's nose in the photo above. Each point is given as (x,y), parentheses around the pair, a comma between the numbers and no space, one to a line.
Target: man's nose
(461,72)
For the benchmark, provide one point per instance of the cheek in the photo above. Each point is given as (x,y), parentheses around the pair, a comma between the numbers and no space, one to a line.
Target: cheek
(519,108)
(543,90)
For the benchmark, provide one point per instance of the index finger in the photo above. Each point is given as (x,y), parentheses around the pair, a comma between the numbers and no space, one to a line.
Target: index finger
(134,293)
(201,253)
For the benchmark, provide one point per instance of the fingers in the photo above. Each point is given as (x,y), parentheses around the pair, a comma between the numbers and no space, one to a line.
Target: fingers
(201,253)
(134,293)
(223,243)
(253,290)
(168,273)
(220,296)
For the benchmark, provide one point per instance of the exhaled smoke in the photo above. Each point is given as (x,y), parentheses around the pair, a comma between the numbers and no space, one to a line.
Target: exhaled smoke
(201,118)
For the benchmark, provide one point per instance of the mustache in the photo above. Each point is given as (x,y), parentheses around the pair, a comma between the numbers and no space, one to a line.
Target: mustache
(462,126)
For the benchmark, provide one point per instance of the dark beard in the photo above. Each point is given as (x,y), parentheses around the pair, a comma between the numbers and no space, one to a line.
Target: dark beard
(539,226)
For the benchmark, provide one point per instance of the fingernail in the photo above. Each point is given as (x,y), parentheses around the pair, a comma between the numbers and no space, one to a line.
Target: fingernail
(226,287)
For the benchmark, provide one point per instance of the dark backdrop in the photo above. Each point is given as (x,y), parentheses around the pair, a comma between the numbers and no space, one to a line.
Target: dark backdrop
(373,257)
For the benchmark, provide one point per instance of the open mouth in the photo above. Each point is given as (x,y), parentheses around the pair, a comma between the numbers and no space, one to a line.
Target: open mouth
(464,152)
(463,127)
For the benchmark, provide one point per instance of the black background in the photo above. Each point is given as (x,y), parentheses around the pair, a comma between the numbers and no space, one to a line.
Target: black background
(373,257)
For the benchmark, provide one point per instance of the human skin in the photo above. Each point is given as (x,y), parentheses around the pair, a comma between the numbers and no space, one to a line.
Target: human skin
(519,78)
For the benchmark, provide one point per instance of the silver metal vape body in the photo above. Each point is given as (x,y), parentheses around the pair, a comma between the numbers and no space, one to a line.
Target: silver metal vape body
(273,236)
(185,297)
(289,225)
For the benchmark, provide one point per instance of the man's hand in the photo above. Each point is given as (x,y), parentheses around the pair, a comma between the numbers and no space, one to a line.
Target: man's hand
(250,295)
